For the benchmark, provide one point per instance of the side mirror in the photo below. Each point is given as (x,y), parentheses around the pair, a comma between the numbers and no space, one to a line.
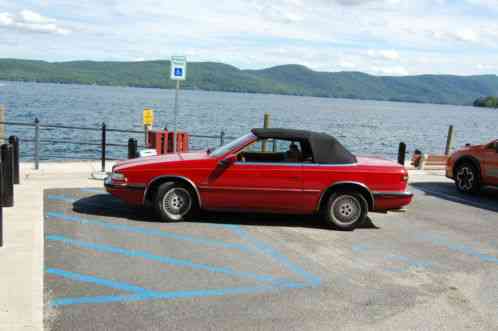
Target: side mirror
(229,160)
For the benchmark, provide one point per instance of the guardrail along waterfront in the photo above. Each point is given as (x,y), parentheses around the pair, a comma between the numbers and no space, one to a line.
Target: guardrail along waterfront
(45,141)
(54,141)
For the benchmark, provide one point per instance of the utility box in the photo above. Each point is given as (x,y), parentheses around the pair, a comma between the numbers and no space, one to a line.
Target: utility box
(162,141)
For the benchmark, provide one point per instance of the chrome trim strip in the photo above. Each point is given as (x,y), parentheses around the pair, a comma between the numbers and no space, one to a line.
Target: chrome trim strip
(301,164)
(392,194)
(329,164)
(342,183)
(109,184)
(175,177)
(235,188)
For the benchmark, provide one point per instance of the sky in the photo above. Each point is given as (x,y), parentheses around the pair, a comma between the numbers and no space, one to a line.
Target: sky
(381,37)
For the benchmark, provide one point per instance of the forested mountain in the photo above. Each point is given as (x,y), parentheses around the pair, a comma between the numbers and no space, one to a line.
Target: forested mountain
(286,79)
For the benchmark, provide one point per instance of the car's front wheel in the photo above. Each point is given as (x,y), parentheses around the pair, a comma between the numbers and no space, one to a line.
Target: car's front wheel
(346,210)
(175,202)
(467,178)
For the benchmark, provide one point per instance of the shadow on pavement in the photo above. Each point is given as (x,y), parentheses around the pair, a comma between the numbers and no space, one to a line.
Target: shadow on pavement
(487,198)
(108,206)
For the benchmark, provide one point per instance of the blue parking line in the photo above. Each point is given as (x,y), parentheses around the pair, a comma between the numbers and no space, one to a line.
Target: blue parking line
(409,261)
(96,280)
(360,247)
(55,197)
(461,248)
(92,190)
(148,232)
(270,251)
(161,295)
(157,258)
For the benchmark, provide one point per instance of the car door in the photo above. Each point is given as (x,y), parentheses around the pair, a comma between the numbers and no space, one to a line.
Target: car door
(490,164)
(255,186)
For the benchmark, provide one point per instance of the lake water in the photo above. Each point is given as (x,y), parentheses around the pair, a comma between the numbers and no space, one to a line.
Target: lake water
(365,127)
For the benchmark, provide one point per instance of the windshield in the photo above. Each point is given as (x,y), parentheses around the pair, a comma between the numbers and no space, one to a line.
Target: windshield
(222,150)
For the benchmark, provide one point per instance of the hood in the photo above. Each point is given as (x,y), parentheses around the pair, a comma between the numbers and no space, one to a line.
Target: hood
(161,159)
(470,148)
(475,147)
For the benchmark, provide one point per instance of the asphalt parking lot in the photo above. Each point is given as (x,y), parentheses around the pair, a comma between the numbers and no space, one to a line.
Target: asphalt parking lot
(111,267)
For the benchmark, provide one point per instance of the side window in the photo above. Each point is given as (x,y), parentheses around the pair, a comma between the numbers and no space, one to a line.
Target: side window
(273,151)
(256,146)
(281,146)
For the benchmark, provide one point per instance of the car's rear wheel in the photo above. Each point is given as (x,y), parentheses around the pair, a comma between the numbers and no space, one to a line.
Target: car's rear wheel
(175,202)
(346,210)
(467,178)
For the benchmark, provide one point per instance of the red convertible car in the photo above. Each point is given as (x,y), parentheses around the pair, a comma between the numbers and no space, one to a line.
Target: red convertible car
(267,170)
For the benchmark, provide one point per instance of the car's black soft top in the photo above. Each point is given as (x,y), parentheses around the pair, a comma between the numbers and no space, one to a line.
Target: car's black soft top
(325,148)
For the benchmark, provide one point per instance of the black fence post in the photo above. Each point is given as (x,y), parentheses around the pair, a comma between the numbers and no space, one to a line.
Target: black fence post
(14,141)
(8,184)
(402,153)
(37,144)
(222,138)
(1,206)
(132,148)
(103,147)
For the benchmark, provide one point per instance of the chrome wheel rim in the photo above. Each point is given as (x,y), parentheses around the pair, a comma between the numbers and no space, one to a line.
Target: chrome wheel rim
(465,178)
(346,209)
(176,203)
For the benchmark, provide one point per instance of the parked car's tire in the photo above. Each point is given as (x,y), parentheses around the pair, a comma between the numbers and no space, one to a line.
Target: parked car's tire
(175,202)
(346,210)
(467,179)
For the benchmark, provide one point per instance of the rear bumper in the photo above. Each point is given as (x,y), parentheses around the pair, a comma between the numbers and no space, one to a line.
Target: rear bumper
(132,194)
(384,201)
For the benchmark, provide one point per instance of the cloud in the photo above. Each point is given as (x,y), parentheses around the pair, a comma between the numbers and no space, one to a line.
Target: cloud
(493,4)
(391,71)
(280,11)
(374,36)
(463,35)
(390,55)
(346,64)
(362,2)
(30,21)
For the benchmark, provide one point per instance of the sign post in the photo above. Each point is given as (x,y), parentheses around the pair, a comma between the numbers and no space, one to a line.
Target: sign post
(148,120)
(178,73)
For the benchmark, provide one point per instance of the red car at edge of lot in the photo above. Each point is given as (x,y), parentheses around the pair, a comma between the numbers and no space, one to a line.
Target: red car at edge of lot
(268,170)
(474,166)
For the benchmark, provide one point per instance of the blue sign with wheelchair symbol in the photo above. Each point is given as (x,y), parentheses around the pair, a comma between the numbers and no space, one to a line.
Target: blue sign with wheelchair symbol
(178,68)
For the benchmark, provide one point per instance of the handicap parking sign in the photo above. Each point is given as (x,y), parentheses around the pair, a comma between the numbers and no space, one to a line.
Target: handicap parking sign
(178,68)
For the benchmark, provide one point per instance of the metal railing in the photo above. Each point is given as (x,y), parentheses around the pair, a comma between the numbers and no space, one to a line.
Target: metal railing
(96,145)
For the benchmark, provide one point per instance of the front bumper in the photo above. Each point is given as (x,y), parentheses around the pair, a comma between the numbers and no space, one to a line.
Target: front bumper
(449,172)
(132,194)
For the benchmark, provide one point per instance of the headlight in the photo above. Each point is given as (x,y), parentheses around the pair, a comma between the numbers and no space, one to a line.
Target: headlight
(118,177)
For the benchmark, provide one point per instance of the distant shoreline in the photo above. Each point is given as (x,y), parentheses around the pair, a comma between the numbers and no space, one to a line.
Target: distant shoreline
(229,91)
